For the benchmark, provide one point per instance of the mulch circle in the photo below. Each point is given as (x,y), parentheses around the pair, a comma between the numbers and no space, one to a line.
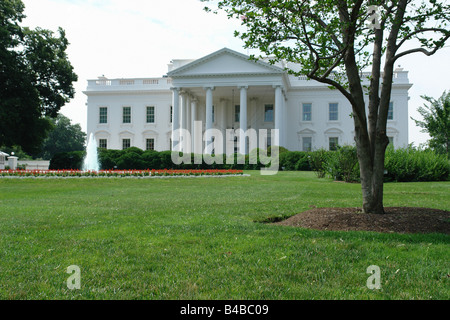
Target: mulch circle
(396,219)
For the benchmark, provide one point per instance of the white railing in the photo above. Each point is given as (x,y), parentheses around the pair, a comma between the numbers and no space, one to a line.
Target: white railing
(147,83)
(151,81)
(126,82)
(103,82)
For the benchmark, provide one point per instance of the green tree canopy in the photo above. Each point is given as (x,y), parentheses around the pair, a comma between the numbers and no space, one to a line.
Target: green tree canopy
(436,122)
(334,41)
(64,137)
(35,78)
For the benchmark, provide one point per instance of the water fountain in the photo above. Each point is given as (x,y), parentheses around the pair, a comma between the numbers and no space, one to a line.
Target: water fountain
(91,160)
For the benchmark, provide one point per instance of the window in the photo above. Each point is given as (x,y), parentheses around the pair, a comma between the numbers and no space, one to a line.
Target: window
(126,115)
(307,144)
(333,114)
(236,147)
(151,114)
(333,143)
(126,143)
(237,113)
(103,112)
(103,143)
(150,144)
(307,112)
(391,111)
(213,117)
(268,113)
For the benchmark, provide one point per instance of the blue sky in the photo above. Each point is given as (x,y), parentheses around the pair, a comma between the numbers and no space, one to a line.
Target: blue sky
(138,38)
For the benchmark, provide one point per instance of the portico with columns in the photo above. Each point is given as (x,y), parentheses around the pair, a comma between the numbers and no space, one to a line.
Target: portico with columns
(231,94)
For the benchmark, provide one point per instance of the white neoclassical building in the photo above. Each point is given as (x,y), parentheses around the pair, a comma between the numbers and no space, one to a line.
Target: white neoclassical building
(228,92)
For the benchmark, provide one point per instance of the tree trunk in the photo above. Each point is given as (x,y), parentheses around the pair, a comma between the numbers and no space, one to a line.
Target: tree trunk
(370,141)
(371,180)
(370,136)
(372,173)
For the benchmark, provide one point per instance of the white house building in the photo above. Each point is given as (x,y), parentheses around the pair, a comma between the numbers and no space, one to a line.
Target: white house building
(226,91)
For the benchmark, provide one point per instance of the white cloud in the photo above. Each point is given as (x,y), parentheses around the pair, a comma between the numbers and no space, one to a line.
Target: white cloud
(133,38)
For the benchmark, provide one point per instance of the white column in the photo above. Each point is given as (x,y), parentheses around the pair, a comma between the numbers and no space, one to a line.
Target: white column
(243,120)
(278,115)
(253,113)
(209,123)
(12,162)
(223,120)
(183,119)
(195,147)
(183,110)
(188,113)
(175,118)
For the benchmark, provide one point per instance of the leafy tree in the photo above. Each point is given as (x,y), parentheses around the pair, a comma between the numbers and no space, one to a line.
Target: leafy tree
(333,41)
(36,78)
(17,151)
(64,137)
(436,122)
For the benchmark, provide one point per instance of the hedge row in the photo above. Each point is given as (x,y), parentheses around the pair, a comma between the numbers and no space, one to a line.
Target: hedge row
(411,164)
(137,159)
(401,165)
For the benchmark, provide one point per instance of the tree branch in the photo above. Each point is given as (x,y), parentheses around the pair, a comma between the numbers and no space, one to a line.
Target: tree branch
(444,31)
(422,50)
(312,73)
(317,19)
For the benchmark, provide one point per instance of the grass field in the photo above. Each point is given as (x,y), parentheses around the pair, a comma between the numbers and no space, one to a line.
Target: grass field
(196,238)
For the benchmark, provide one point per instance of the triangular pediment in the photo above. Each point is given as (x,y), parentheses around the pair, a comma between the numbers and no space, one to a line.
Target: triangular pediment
(224,62)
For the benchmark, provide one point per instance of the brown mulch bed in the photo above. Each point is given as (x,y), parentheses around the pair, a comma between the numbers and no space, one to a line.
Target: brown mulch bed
(399,220)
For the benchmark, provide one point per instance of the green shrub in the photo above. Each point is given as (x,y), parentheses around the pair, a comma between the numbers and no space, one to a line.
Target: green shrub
(235,162)
(318,162)
(165,158)
(411,164)
(303,163)
(280,150)
(67,160)
(131,160)
(108,158)
(133,150)
(294,160)
(342,164)
(151,159)
(252,161)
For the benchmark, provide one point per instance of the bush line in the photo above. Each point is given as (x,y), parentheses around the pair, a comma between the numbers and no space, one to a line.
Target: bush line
(402,165)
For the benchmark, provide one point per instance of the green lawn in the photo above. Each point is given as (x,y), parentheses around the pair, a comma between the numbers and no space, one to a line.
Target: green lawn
(196,238)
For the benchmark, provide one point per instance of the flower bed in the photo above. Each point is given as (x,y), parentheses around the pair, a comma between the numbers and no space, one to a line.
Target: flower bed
(117,173)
